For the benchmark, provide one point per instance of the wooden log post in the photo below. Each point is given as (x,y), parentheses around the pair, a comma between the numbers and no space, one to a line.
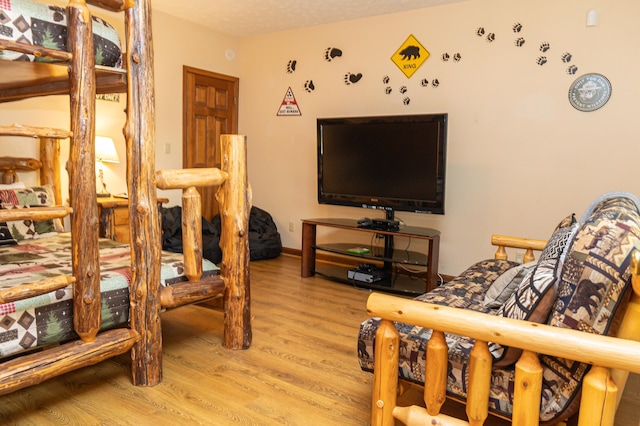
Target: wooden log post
(144,233)
(35,213)
(113,5)
(192,233)
(598,400)
(527,390)
(82,178)
(26,290)
(35,368)
(180,294)
(235,205)
(479,383)
(50,171)
(385,374)
(435,389)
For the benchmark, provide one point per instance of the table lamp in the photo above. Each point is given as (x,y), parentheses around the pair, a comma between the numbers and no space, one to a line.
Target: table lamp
(105,153)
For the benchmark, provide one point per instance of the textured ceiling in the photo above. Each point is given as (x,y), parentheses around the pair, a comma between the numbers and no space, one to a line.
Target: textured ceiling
(243,18)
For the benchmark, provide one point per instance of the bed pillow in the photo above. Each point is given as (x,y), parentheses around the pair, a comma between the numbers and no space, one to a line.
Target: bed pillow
(35,196)
(534,297)
(505,285)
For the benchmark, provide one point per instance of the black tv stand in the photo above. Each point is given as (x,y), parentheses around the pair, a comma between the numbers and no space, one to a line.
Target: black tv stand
(387,256)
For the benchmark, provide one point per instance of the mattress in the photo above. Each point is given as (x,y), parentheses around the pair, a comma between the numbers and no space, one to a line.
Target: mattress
(45,25)
(48,318)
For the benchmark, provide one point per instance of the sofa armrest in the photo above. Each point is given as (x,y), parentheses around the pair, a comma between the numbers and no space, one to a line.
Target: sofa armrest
(504,241)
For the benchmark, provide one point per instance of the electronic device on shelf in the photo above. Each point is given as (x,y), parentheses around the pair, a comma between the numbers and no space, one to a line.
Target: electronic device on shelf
(386,225)
(365,222)
(379,224)
(383,162)
(366,273)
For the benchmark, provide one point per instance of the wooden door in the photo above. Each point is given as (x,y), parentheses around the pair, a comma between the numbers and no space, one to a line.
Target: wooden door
(210,105)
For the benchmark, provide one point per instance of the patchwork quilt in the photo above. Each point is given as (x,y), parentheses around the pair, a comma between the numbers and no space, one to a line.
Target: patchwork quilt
(46,319)
(39,24)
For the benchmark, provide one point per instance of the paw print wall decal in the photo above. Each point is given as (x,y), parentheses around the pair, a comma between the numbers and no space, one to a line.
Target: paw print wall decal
(291,66)
(331,53)
(544,47)
(350,78)
(309,86)
(572,69)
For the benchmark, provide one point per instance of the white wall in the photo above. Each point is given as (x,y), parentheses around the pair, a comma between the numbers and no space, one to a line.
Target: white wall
(178,43)
(520,157)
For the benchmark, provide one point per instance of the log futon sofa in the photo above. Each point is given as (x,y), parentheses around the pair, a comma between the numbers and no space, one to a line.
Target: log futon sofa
(39,58)
(532,343)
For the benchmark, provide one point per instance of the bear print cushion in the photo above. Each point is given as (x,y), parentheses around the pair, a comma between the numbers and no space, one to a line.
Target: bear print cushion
(594,283)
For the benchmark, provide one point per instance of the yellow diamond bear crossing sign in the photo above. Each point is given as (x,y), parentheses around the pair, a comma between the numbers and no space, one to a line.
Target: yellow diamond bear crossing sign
(410,56)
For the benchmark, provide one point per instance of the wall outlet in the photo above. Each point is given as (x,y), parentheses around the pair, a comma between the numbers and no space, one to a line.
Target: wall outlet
(291,227)
(519,256)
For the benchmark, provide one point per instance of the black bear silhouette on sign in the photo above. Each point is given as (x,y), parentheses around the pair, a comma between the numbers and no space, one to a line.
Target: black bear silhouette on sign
(410,52)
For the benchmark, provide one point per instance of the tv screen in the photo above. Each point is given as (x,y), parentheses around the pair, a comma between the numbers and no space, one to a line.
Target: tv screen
(386,162)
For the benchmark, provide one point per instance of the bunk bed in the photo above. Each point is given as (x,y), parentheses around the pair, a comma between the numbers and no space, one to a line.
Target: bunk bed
(140,331)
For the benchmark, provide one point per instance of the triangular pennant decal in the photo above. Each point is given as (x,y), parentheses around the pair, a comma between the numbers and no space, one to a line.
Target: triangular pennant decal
(289,105)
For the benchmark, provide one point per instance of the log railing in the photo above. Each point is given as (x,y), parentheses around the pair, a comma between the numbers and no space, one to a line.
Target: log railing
(234,197)
(528,244)
(613,358)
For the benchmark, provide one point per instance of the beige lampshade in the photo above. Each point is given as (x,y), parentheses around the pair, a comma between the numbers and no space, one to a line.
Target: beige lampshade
(106,150)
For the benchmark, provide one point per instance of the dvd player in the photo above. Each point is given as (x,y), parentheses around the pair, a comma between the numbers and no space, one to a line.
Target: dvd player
(366,273)
(385,224)
(365,277)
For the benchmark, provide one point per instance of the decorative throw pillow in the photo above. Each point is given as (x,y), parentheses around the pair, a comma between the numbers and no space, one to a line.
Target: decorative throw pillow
(506,284)
(6,239)
(536,294)
(36,196)
(593,285)
(30,230)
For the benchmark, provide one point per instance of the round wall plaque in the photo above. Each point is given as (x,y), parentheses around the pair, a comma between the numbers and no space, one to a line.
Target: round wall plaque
(589,92)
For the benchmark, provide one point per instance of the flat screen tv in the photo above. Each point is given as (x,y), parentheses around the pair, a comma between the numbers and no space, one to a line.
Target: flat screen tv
(384,162)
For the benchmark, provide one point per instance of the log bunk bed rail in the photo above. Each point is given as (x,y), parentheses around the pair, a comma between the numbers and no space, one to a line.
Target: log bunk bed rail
(143,336)
(613,358)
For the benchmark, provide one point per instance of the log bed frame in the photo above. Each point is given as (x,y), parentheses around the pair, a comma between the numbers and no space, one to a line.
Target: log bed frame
(613,358)
(83,80)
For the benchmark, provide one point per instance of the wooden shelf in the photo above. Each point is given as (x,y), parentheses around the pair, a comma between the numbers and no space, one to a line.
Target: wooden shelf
(389,257)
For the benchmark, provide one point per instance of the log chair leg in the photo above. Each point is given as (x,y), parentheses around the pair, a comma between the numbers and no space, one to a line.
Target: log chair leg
(385,374)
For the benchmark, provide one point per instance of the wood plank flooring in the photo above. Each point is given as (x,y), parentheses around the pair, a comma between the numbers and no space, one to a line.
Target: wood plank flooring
(300,370)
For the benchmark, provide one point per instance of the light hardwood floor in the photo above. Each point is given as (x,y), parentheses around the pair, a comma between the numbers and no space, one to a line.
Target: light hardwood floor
(300,370)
